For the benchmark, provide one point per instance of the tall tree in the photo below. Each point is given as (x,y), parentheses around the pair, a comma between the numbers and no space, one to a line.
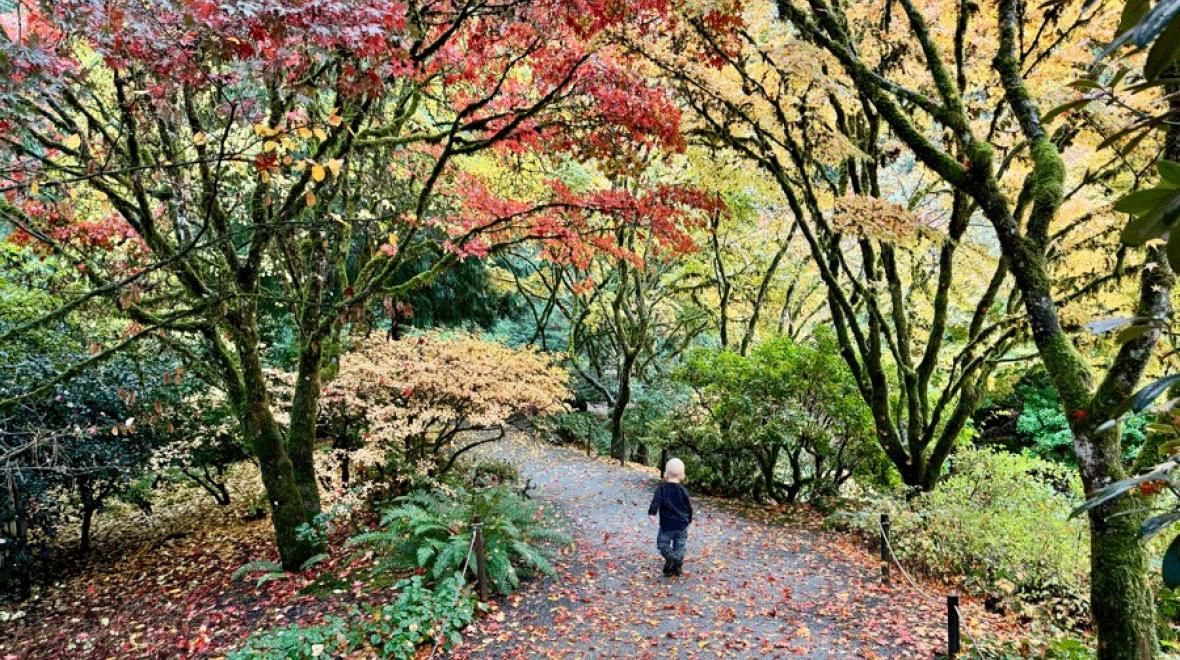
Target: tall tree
(937,125)
(887,241)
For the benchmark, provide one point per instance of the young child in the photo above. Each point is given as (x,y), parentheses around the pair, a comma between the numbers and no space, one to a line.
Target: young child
(675,509)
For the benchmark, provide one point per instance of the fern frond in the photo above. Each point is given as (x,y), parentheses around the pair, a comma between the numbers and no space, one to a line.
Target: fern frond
(313,560)
(257,566)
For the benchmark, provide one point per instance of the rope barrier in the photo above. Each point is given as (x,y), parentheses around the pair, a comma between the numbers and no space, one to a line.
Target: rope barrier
(885,538)
(970,633)
(458,592)
(914,585)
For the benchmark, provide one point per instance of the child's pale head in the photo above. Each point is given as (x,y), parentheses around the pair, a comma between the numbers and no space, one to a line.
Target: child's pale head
(674,470)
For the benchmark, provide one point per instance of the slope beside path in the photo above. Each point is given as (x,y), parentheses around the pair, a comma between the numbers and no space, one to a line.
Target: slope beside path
(751,588)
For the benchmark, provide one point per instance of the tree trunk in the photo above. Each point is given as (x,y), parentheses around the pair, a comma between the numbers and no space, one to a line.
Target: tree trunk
(641,453)
(301,434)
(288,512)
(345,465)
(87,523)
(1120,594)
(618,436)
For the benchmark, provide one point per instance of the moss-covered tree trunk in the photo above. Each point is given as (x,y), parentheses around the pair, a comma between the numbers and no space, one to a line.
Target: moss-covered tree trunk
(618,434)
(1120,595)
(288,512)
(301,434)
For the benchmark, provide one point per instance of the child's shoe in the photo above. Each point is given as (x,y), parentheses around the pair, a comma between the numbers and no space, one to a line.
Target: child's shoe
(676,566)
(667,567)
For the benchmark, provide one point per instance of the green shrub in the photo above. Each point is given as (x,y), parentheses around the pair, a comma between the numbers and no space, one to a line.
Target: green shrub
(1000,523)
(785,422)
(645,418)
(494,472)
(432,531)
(1040,427)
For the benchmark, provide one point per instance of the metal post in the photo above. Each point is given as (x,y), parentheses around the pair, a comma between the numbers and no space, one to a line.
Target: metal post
(885,549)
(481,567)
(952,625)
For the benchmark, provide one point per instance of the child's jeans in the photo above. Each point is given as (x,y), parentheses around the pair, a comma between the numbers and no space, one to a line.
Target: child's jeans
(671,543)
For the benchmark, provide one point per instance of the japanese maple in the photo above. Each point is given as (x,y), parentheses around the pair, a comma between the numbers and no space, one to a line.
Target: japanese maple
(197,159)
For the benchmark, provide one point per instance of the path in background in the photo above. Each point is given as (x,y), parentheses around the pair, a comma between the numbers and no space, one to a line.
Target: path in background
(750,589)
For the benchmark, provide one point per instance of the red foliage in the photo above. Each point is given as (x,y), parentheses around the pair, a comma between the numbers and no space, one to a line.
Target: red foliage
(532,76)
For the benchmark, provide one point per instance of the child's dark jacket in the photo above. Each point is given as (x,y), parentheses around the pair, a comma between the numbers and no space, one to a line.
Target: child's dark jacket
(672,503)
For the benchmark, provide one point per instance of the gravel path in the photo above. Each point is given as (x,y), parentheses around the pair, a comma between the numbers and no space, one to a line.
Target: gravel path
(751,588)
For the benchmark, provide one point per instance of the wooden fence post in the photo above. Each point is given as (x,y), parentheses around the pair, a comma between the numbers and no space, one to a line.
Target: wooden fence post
(885,549)
(481,566)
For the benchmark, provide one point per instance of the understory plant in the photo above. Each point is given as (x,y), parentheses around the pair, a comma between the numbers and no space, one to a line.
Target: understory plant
(421,615)
(432,531)
(1000,524)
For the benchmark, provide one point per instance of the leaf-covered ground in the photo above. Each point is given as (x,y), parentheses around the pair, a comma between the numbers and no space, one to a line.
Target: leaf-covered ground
(755,585)
(752,587)
(162,587)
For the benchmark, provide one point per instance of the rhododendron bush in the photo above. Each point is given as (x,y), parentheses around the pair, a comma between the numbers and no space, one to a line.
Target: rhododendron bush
(199,163)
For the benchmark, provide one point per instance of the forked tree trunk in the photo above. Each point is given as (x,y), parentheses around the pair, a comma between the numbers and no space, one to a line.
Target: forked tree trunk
(301,433)
(618,434)
(288,512)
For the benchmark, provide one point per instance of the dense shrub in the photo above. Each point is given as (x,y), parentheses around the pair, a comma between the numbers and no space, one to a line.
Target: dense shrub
(785,422)
(1000,523)
(204,440)
(403,408)
(645,418)
(68,452)
(582,429)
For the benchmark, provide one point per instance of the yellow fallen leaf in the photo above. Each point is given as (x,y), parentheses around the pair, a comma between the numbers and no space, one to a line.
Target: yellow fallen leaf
(200,139)
(318,173)
(335,164)
(72,141)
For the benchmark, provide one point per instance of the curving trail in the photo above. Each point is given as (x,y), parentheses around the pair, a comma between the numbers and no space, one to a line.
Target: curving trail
(751,588)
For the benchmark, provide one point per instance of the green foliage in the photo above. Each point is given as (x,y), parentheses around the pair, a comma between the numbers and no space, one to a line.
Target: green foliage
(1000,523)
(785,422)
(432,531)
(419,616)
(576,428)
(263,571)
(645,417)
(494,472)
(1049,646)
(1041,428)
(462,296)
(1043,421)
